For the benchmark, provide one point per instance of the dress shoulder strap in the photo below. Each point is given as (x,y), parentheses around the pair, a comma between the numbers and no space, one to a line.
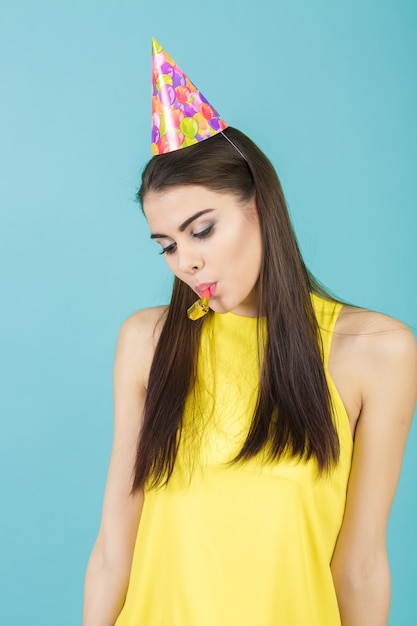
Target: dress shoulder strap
(327,312)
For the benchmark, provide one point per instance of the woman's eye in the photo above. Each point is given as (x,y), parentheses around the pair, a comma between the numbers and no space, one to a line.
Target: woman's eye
(203,233)
(169,249)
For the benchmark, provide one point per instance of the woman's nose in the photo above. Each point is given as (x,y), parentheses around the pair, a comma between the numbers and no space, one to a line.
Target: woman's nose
(189,261)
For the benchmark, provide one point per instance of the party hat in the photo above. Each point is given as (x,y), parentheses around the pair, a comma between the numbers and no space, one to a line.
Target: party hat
(181,115)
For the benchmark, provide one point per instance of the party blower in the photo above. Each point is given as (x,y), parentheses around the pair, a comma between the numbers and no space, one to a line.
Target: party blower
(201,307)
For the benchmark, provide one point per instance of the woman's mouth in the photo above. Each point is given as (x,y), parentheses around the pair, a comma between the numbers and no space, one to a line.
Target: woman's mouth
(211,287)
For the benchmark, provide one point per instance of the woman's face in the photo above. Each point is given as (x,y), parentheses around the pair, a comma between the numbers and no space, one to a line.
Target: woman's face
(210,241)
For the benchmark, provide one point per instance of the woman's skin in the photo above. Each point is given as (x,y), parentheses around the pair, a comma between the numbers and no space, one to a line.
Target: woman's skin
(373,362)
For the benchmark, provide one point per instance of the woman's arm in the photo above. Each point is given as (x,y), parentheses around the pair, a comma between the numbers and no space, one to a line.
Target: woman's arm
(110,561)
(385,360)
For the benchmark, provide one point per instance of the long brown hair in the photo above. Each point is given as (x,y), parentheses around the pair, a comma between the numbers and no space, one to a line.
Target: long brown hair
(293,412)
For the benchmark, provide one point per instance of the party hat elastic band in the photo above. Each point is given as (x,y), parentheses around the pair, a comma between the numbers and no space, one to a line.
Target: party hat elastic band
(235,146)
(181,115)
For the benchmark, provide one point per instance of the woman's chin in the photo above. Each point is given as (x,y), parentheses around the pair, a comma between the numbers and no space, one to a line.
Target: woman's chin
(219,307)
(230,308)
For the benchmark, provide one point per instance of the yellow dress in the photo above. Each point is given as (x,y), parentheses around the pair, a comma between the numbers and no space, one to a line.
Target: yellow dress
(238,545)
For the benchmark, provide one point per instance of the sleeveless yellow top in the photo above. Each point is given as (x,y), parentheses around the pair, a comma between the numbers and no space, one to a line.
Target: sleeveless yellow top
(238,545)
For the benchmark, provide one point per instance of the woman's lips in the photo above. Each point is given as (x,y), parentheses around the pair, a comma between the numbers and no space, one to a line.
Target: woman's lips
(211,287)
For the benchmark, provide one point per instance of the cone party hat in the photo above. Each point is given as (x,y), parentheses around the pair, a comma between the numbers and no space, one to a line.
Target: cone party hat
(181,115)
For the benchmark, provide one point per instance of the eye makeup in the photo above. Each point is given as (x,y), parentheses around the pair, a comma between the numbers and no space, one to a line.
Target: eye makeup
(202,234)
(169,249)
(206,232)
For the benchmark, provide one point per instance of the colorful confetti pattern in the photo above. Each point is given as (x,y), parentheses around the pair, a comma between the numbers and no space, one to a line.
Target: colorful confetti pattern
(181,116)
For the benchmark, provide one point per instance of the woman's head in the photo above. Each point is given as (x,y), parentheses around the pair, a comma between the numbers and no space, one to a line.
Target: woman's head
(211,240)
(255,239)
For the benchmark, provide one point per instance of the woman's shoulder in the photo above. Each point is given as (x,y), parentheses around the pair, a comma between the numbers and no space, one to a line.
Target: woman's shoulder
(138,337)
(373,355)
(373,330)
(145,323)
(375,344)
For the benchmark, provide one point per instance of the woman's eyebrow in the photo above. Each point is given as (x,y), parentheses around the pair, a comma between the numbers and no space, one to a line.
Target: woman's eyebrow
(184,225)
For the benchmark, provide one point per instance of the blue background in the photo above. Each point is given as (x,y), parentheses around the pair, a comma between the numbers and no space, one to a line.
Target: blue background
(327,89)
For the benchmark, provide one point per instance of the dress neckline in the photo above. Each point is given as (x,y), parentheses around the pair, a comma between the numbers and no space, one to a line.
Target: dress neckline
(234,317)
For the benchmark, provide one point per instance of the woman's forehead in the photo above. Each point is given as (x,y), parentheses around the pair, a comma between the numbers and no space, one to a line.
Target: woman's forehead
(190,198)
(174,207)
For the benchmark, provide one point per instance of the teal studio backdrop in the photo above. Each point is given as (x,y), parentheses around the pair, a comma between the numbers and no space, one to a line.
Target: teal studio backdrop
(329,91)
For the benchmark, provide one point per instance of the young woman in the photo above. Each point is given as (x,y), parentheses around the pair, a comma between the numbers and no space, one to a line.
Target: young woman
(256,450)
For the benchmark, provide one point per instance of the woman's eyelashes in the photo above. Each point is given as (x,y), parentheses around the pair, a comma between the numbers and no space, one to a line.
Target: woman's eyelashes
(201,234)
(169,249)
(204,233)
